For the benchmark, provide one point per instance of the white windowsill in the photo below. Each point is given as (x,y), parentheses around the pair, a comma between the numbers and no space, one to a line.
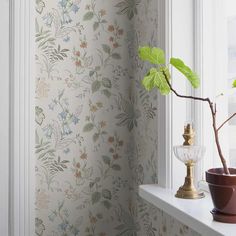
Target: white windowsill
(193,213)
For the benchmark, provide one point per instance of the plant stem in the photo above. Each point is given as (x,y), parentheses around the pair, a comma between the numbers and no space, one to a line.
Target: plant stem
(213,113)
(226,121)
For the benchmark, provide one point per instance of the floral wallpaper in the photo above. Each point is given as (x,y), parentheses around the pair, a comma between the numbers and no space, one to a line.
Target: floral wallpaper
(96,131)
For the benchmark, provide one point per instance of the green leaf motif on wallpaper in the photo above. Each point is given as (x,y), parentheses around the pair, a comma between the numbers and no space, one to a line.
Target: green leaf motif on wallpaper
(96,86)
(39,115)
(95,137)
(107,204)
(128,7)
(116,167)
(106,194)
(96,196)
(88,16)
(106,92)
(185,70)
(106,82)
(43,37)
(152,55)
(116,56)
(106,48)
(88,127)
(95,26)
(106,160)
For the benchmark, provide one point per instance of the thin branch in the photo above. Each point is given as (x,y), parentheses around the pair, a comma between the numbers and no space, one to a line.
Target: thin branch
(213,113)
(226,121)
(184,96)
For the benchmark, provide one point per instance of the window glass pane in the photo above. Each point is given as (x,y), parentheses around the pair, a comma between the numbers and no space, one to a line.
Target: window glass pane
(231,44)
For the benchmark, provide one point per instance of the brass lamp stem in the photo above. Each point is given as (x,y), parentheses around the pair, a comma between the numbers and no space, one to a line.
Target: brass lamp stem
(188,190)
(188,184)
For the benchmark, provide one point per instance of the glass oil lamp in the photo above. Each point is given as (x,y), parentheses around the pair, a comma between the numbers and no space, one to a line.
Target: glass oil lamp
(189,154)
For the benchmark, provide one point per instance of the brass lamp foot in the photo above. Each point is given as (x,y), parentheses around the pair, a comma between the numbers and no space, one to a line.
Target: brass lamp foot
(189,194)
(188,190)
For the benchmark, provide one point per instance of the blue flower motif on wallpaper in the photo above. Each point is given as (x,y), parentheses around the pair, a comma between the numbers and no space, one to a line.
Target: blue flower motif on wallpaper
(68,6)
(95,137)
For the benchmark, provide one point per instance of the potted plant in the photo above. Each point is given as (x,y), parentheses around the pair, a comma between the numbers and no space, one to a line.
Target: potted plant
(221,181)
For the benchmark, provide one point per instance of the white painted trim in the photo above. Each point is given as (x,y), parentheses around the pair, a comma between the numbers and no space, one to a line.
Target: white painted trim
(22,219)
(182,41)
(165,102)
(197,108)
(172,110)
(4,111)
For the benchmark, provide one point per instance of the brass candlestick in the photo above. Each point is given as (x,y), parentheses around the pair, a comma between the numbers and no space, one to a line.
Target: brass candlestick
(188,135)
(189,154)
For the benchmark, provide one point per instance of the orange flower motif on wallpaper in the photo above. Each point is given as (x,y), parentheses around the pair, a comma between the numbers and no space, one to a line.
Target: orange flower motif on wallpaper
(92,143)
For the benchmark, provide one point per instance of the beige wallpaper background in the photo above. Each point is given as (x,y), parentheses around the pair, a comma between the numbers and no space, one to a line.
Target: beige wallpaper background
(96,127)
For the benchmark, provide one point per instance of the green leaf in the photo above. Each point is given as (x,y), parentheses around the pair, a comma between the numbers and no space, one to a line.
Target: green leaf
(88,127)
(106,194)
(234,84)
(96,86)
(153,55)
(166,71)
(96,196)
(106,160)
(106,48)
(149,80)
(185,70)
(106,82)
(88,16)
(116,167)
(156,78)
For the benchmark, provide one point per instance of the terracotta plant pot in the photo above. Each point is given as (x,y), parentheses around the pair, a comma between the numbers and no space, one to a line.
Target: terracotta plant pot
(223,192)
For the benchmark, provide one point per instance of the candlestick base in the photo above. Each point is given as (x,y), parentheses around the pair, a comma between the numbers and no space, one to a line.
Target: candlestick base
(189,194)
(188,190)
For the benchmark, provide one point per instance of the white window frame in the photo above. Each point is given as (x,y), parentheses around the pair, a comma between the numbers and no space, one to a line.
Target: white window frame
(170,121)
(170,171)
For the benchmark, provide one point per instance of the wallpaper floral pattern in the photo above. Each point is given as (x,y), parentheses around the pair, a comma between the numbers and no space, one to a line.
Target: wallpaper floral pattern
(95,125)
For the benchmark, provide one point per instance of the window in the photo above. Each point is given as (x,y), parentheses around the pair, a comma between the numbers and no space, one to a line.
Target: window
(207,44)
(231,69)
(218,72)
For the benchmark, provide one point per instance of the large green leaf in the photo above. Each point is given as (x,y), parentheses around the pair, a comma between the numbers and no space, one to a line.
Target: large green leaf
(157,79)
(153,55)
(234,84)
(149,80)
(189,74)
